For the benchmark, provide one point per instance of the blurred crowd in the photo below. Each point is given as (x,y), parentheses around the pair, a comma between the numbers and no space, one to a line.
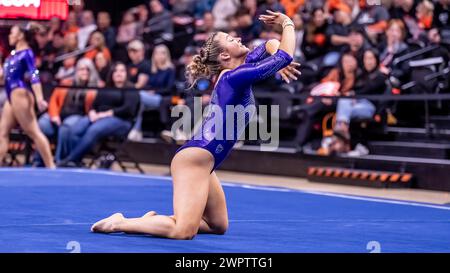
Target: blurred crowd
(346,48)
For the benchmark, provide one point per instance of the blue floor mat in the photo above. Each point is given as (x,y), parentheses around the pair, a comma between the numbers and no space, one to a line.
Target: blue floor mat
(51,211)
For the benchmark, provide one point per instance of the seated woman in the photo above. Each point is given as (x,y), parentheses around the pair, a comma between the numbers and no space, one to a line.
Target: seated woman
(67,106)
(371,82)
(161,83)
(112,115)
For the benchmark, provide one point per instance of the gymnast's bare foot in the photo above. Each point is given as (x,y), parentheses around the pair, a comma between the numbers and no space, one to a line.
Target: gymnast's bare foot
(108,225)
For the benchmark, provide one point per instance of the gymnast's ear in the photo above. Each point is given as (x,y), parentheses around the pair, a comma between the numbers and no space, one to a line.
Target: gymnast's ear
(224,56)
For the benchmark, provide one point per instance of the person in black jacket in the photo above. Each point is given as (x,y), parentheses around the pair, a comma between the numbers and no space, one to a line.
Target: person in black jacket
(112,114)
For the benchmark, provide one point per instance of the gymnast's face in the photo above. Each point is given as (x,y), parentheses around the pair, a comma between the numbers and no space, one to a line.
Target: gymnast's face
(14,36)
(232,47)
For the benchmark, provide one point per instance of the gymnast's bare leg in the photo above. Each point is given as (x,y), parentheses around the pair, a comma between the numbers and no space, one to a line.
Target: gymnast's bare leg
(21,111)
(199,203)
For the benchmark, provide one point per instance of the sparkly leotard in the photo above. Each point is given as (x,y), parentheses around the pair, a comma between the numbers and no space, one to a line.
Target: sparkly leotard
(234,88)
(15,68)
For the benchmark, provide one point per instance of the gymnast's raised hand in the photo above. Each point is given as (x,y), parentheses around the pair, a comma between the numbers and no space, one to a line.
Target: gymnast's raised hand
(290,72)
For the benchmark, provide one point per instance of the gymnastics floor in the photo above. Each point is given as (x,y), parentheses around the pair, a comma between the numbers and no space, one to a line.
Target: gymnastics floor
(52,210)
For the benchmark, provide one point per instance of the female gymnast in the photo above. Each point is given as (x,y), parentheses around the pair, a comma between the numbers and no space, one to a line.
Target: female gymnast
(19,108)
(198,198)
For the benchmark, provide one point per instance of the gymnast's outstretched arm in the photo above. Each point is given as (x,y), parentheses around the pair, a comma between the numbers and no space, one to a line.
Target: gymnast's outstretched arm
(249,73)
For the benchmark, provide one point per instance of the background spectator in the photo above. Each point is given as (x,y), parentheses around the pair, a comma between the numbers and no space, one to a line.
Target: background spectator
(246,29)
(339,31)
(315,42)
(112,114)
(222,10)
(55,25)
(71,23)
(161,83)
(97,41)
(66,107)
(102,64)
(143,15)
(299,34)
(128,28)
(395,44)
(87,27)
(374,17)
(70,42)
(343,80)
(139,68)
(159,28)
(104,26)
(371,82)
(441,16)
(205,28)
(424,15)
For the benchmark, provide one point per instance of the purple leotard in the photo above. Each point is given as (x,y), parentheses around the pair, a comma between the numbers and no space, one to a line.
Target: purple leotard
(235,88)
(16,65)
